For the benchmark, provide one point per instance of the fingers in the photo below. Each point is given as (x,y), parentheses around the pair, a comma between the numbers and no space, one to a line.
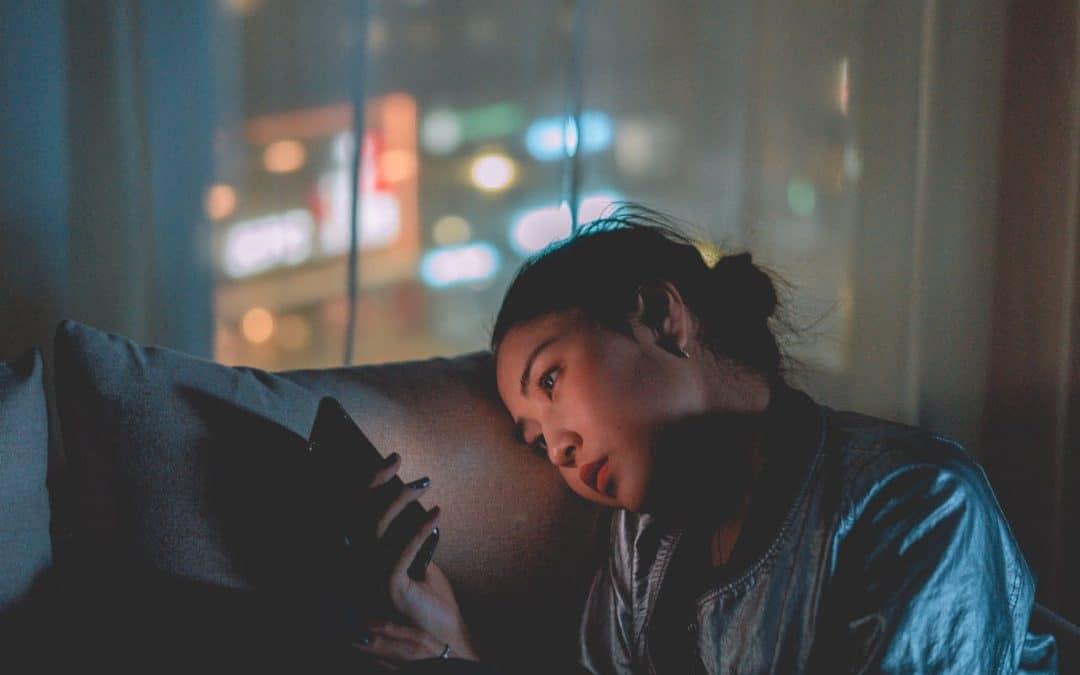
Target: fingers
(413,547)
(396,643)
(410,492)
(387,472)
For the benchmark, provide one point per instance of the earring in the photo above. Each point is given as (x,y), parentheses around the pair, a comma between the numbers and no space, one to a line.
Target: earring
(668,343)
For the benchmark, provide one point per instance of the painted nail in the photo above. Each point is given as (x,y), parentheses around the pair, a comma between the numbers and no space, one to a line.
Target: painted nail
(420,483)
(391,458)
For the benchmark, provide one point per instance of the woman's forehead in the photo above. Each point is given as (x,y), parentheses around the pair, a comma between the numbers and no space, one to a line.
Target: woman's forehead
(520,340)
(524,341)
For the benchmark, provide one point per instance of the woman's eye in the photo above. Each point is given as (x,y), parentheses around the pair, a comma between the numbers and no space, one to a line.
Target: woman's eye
(547,381)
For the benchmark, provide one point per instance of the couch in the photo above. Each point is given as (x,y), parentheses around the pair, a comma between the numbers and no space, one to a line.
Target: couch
(174,536)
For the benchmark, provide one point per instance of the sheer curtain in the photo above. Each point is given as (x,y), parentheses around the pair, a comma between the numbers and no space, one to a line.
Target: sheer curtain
(849,146)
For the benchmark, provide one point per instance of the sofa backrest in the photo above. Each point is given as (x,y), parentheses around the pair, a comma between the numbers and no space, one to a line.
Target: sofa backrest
(142,427)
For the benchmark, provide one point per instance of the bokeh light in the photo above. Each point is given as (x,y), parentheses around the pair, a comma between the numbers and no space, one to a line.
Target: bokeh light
(459,264)
(493,172)
(801,197)
(284,156)
(220,201)
(450,230)
(396,166)
(257,325)
(440,132)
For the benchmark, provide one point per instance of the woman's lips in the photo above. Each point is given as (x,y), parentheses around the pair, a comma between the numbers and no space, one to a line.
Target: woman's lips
(602,478)
(595,475)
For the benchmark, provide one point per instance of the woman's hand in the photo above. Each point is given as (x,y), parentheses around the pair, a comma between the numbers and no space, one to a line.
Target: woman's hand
(429,604)
(392,644)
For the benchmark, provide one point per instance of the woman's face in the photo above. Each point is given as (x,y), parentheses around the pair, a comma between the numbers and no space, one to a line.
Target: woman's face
(590,400)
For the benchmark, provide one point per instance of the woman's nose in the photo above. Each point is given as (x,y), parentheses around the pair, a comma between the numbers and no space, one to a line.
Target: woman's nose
(562,450)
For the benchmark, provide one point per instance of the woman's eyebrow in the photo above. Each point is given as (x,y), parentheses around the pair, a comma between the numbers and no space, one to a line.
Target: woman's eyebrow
(532,357)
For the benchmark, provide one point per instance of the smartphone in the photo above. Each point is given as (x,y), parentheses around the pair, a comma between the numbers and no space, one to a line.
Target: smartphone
(345,460)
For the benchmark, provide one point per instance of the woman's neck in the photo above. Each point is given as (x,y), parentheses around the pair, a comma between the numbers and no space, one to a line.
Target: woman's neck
(726,535)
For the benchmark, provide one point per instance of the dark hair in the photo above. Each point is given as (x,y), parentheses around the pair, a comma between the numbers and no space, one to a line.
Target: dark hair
(599,269)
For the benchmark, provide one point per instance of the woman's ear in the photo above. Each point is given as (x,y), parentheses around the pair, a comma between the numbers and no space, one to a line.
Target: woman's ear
(661,309)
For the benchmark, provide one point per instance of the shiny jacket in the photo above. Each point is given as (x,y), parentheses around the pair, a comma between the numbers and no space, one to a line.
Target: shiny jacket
(889,553)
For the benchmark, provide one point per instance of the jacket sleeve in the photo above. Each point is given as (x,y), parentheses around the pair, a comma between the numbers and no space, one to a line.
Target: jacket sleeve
(928,575)
(605,638)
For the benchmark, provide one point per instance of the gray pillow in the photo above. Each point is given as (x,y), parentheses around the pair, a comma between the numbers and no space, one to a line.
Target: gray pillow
(25,548)
(143,428)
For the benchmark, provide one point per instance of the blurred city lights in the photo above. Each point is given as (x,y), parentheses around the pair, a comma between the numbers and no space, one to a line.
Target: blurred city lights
(284,156)
(450,230)
(257,325)
(380,211)
(536,228)
(220,201)
(454,265)
(380,215)
(801,197)
(493,172)
(440,132)
(551,138)
(252,246)
(443,130)
(397,165)
(571,131)
(594,206)
(293,332)
(491,121)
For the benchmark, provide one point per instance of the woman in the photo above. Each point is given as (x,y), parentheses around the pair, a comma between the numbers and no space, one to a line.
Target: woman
(753,529)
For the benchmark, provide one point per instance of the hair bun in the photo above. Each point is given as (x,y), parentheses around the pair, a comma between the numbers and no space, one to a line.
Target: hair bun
(748,290)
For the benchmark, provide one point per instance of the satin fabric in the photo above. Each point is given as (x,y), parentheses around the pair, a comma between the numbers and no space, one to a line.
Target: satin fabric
(889,553)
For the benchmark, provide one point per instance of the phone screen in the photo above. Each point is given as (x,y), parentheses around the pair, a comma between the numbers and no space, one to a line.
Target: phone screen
(346,460)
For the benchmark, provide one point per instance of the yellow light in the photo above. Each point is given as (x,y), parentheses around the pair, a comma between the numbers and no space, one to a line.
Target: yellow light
(450,230)
(293,332)
(258,325)
(284,156)
(220,201)
(242,7)
(709,251)
(493,172)
(397,165)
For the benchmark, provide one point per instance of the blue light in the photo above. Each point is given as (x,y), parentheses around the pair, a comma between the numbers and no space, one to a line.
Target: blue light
(534,229)
(596,131)
(571,136)
(453,265)
(551,138)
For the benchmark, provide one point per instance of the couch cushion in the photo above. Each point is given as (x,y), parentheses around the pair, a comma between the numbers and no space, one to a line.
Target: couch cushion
(144,429)
(25,549)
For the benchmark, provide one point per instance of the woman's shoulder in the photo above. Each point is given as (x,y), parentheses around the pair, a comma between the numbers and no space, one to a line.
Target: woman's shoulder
(876,457)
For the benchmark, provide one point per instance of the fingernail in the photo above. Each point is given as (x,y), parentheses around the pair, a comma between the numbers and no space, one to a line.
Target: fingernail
(420,483)
(435,532)
(364,637)
(391,458)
